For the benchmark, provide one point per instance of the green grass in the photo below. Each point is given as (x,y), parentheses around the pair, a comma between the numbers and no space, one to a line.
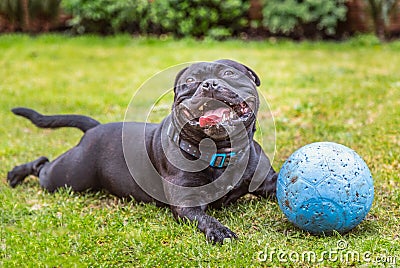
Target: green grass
(343,92)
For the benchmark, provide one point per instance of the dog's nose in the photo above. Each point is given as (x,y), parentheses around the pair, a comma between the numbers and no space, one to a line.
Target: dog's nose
(210,84)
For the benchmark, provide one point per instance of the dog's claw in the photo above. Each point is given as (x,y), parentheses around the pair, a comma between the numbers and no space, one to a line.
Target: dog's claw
(220,234)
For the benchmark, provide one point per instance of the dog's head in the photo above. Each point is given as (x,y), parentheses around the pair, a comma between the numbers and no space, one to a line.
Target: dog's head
(213,98)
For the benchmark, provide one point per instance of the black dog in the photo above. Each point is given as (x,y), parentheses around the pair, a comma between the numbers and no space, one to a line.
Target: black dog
(202,154)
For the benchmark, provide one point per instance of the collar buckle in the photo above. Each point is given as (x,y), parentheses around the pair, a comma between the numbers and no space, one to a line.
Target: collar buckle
(220,160)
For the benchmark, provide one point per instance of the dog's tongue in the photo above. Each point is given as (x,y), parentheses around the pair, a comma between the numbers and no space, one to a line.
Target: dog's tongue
(213,117)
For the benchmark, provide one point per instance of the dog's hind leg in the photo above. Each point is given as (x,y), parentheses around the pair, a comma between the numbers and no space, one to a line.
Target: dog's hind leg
(19,173)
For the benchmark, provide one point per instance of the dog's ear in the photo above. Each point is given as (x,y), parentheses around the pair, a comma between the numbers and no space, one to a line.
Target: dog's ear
(178,76)
(253,75)
(243,68)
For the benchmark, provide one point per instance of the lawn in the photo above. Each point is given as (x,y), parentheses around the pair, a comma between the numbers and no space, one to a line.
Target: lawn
(343,92)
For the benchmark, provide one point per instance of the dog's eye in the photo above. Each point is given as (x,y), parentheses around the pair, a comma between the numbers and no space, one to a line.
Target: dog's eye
(190,80)
(228,73)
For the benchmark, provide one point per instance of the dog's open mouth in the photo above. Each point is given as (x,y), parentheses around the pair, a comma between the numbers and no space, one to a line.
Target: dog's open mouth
(216,113)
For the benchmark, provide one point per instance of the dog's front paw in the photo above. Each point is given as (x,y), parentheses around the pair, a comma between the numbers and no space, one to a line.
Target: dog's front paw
(217,234)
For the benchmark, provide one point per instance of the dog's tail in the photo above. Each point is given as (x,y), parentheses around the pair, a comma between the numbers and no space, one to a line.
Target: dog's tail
(82,122)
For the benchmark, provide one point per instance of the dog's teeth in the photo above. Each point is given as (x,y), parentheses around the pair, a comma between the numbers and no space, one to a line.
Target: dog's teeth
(201,108)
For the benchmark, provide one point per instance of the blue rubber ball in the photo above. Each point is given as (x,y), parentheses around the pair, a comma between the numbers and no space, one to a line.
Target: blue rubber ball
(325,186)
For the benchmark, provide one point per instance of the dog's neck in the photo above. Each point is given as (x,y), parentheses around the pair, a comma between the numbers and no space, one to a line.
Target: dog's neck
(225,154)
